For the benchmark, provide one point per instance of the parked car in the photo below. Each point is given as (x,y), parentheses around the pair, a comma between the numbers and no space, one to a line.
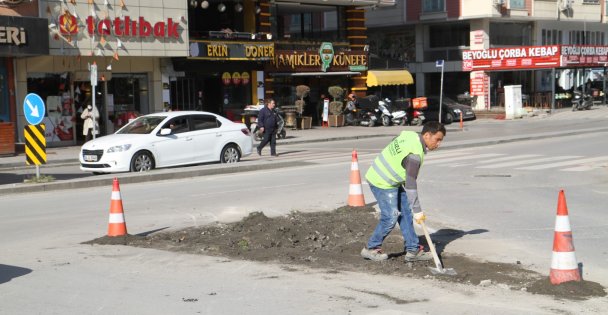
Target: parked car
(167,139)
(450,110)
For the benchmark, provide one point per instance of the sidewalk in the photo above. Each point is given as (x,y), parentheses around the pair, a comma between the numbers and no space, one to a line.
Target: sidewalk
(475,134)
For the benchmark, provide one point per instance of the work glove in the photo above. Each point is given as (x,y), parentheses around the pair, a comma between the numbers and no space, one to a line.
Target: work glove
(419,217)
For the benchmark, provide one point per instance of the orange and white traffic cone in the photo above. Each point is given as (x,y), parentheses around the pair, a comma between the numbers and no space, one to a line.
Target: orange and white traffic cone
(355,190)
(117,225)
(564,267)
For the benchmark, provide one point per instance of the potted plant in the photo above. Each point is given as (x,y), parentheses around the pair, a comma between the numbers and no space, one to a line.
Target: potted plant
(336,119)
(301,92)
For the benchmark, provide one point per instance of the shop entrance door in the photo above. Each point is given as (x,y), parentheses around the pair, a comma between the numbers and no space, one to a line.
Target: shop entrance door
(183,94)
(4,106)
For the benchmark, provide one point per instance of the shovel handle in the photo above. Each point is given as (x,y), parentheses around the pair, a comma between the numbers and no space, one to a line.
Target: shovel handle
(432,247)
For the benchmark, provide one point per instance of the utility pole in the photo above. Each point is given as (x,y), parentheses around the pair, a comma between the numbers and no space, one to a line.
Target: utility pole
(93,69)
(439,63)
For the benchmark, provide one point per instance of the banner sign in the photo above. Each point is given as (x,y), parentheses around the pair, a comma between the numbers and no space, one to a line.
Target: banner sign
(218,50)
(584,56)
(509,58)
(310,61)
(23,36)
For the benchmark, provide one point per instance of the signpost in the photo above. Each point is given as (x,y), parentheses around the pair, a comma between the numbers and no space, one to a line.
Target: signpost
(35,144)
(93,69)
(439,64)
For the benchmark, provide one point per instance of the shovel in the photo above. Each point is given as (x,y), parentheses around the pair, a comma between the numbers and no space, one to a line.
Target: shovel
(439,266)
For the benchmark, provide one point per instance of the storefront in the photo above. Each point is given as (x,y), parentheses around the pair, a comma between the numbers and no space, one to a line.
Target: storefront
(222,76)
(128,44)
(19,37)
(318,67)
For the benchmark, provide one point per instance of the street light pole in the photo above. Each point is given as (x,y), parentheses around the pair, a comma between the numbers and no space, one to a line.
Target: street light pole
(439,63)
(93,69)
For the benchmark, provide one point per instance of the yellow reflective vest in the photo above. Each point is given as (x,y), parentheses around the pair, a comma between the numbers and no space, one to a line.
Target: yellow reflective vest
(386,171)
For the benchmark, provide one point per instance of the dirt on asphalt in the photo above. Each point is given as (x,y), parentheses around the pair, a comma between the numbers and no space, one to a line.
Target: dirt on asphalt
(333,241)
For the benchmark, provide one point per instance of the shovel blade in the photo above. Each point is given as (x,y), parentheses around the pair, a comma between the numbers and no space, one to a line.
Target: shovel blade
(443,271)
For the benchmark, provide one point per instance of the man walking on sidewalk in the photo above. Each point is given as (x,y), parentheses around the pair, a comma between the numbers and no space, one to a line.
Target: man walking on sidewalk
(392,179)
(267,120)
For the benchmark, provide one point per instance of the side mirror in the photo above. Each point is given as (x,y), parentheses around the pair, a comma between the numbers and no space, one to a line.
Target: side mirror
(165,131)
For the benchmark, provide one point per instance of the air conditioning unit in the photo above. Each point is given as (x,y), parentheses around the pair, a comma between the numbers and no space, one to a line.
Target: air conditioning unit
(565,5)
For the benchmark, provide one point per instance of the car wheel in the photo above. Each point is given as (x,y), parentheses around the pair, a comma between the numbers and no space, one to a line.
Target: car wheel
(230,154)
(142,162)
(449,118)
(386,121)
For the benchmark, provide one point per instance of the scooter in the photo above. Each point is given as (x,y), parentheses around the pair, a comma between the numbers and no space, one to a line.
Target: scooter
(281,132)
(417,118)
(389,115)
(580,101)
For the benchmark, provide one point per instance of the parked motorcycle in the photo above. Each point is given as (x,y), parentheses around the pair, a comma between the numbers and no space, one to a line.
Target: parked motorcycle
(391,116)
(580,101)
(417,118)
(281,132)
(368,113)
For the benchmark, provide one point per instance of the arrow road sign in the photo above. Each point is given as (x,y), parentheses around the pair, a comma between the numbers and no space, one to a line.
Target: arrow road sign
(33,108)
(439,63)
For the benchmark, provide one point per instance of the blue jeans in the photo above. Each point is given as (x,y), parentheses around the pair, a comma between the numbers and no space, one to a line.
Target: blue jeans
(394,208)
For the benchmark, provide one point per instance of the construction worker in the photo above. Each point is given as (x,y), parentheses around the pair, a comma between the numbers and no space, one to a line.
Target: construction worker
(392,179)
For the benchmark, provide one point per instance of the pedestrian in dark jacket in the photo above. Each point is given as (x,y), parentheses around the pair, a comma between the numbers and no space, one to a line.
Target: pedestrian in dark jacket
(267,120)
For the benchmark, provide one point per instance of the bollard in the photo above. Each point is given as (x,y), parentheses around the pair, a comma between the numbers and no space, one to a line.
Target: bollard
(461,124)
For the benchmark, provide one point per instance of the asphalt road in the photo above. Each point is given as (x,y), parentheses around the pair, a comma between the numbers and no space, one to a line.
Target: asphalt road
(45,269)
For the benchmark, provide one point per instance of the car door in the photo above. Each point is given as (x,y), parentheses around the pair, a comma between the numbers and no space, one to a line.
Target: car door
(432,111)
(207,137)
(177,147)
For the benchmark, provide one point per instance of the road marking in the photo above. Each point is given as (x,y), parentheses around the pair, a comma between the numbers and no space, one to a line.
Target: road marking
(509,158)
(532,161)
(565,163)
(460,158)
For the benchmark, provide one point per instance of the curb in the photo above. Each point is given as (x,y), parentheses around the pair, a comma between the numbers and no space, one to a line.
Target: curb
(131,178)
(177,173)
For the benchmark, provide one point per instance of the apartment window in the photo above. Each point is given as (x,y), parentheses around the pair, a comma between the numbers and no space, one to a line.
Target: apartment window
(433,6)
(517,34)
(518,4)
(451,35)
(589,1)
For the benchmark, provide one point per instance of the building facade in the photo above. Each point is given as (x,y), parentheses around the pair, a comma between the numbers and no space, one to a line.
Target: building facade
(245,51)
(431,30)
(129,42)
(22,34)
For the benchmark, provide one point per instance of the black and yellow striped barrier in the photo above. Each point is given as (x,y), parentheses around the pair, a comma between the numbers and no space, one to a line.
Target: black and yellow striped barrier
(35,144)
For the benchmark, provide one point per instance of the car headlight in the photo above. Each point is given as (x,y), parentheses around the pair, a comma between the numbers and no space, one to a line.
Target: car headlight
(119,148)
(457,111)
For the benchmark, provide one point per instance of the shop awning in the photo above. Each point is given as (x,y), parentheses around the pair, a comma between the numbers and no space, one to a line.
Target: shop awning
(389,77)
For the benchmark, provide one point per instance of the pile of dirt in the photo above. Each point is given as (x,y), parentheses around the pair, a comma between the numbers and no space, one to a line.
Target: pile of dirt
(333,241)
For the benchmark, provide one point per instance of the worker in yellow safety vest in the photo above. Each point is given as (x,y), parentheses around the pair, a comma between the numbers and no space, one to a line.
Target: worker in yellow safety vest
(392,180)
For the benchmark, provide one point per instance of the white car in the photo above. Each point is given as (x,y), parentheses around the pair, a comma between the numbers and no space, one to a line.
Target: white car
(167,139)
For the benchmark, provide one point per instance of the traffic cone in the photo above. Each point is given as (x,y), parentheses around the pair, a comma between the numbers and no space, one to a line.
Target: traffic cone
(355,190)
(564,267)
(117,225)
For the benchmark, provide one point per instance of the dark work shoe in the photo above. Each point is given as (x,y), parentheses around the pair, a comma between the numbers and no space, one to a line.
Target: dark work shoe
(375,254)
(259,151)
(419,255)
(275,155)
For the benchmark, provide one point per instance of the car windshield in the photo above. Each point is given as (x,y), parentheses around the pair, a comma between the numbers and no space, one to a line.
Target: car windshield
(141,125)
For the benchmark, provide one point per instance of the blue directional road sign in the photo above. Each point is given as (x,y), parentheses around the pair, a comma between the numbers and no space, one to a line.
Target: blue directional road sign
(33,108)
(439,63)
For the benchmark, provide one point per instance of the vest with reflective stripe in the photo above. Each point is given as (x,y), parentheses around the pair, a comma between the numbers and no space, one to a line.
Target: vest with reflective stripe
(387,171)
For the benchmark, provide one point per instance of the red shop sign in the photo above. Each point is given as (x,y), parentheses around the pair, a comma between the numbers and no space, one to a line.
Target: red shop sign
(508,58)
